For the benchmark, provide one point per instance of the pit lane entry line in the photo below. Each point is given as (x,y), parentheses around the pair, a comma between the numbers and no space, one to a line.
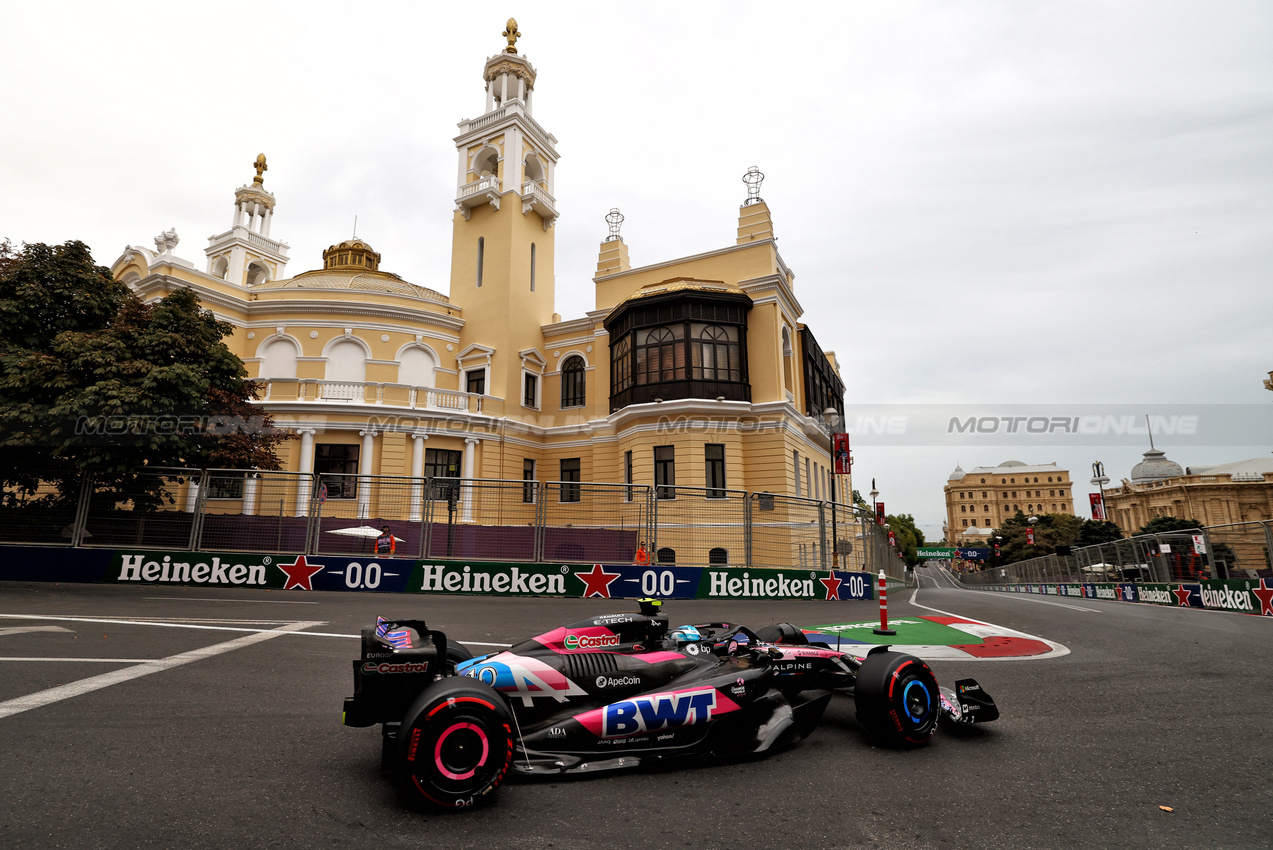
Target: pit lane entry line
(115,677)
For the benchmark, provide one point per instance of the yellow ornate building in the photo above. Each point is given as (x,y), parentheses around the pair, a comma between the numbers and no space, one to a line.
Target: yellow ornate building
(984,497)
(693,371)
(1212,495)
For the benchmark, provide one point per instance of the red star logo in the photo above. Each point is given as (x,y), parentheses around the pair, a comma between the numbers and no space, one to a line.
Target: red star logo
(1182,595)
(597,582)
(832,585)
(298,574)
(1265,594)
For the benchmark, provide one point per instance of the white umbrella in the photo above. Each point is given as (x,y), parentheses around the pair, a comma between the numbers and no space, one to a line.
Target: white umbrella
(361,531)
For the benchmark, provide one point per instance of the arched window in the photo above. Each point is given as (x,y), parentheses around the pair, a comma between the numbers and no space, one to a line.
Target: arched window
(666,556)
(621,364)
(715,353)
(346,371)
(415,368)
(258,273)
(718,557)
(659,357)
(278,359)
(573,392)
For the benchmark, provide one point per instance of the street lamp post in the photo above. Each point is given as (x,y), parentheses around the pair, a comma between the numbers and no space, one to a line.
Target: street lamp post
(1100,479)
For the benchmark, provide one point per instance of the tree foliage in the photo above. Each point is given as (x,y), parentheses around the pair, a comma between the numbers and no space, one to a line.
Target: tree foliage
(1096,531)
(95,381)
(1163,524)
(908,536)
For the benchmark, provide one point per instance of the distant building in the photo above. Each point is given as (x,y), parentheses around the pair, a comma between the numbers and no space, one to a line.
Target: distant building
(982,498)
(1213,495)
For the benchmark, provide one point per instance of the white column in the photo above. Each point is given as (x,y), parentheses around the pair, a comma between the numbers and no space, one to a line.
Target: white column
(503,89)
(238,214)
(521,90)
(307,469)
(417,472)
(490,96)
(530,95)
(265,225)
(255,225)
(249,494)
(466,492)
(364,468)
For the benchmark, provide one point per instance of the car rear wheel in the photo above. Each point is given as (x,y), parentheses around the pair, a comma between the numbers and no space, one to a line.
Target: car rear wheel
(897,698)
(455,744)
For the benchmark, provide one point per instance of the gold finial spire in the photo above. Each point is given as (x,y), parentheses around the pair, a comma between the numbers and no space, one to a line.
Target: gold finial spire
(512,35)
(261,168)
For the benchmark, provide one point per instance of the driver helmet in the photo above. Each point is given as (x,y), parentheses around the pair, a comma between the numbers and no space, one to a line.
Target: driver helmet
(685,634)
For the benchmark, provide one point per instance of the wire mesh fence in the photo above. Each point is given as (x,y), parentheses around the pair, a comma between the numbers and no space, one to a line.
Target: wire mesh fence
(1242,550)
(42,509)
(155,509)
(235,510)
(699,527)
(788,531)
(593,523)
(1215,552)
(481,520)
(350,510)
(255,511)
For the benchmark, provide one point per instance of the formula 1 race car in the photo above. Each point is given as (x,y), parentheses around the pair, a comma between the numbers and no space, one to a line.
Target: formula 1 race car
(621,690)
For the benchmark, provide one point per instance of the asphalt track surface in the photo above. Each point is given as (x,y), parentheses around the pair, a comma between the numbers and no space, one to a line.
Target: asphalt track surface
(144,732)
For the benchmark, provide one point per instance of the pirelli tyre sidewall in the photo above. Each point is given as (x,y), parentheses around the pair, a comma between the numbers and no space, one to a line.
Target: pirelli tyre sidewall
(897,699)
(455,745)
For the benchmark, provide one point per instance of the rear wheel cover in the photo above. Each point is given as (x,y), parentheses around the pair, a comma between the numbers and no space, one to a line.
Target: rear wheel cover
(456,744)
(897,698)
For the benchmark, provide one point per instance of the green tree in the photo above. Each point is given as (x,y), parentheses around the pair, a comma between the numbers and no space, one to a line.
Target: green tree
(94,381)
(1050,531)
(1163,524)
(1098,531)
(908,536)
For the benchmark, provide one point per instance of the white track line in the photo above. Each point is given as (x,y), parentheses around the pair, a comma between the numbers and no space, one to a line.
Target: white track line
(1023,597)
(202,627)
(86,660)
(115,677)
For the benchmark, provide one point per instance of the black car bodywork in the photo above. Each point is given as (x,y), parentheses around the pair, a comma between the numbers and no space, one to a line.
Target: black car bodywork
(615,691)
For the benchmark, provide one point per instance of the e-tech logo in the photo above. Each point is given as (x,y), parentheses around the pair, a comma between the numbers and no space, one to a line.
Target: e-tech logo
(659,711)
(573,641)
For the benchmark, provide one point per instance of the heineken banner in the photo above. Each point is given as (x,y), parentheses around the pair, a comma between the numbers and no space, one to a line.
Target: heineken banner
(929,553)
(608,581)
(481,578)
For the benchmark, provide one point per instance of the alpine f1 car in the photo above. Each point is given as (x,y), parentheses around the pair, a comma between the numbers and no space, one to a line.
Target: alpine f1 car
(621,690)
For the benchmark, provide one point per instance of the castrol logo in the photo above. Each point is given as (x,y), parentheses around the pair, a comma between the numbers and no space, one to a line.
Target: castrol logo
(589,641)
(387,667)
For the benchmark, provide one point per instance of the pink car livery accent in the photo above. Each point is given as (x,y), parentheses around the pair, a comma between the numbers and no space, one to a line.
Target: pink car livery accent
(655,712)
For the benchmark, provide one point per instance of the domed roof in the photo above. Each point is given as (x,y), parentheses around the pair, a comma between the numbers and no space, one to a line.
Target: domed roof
(1155,467)
(349,279)
(1012,463)
(957,474)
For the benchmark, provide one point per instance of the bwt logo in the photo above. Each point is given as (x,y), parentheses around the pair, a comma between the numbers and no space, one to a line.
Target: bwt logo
(1087,425)
(662,711)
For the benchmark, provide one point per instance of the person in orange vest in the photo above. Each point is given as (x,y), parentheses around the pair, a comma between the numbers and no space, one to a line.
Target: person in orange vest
(386,543)
(642,558)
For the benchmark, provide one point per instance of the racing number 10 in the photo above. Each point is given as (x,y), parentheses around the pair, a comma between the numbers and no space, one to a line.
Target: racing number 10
(356,577)
(658,583)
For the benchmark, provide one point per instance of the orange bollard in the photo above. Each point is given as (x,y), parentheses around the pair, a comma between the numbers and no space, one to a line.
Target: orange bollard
(883,629)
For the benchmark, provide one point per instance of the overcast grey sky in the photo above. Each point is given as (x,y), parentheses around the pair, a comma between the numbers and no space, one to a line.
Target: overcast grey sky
(1009,202)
